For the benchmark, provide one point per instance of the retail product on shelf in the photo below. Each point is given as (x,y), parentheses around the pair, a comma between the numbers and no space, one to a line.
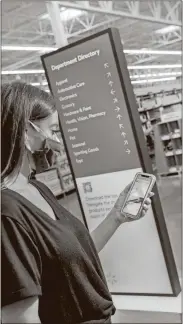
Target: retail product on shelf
(64,168)
(68,183)
(160,88)
(154,106)
(168,146)
(162,105)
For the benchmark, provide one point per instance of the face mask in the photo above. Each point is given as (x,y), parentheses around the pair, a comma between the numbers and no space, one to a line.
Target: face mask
(53,137)
(46,156)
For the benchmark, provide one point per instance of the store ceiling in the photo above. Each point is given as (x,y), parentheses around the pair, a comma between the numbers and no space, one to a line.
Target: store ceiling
(27,23)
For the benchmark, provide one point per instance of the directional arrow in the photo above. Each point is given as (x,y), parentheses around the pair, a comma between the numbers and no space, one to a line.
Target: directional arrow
(108,74)
(111,83)
(106,65)
(113,92)
(115,100)
(117,109)
(123,134)
(126,142)
(121,126)
(119,117)
(128,151)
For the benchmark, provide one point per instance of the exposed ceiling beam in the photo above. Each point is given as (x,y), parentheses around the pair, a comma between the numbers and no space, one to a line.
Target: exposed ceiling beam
(139,58)
(22,26)
(88,31)
(35,57)
(57,24)
(21,63)
(111,16)
(132,14)
(157,43)
(16,10)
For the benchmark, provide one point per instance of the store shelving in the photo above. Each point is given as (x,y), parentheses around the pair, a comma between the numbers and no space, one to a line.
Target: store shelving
(68,183)
(173,136)
(171,143)
(64,168)
(58,178)
(57,182)
(155,104)
(159,89)
(162,107)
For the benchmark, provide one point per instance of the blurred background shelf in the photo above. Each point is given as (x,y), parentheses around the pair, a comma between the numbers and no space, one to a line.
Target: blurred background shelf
(58,177)
(160,113)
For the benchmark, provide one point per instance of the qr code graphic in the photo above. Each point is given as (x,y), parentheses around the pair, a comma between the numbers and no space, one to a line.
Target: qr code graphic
(87,187)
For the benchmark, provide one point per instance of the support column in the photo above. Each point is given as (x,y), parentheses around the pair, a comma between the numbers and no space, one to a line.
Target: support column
(56,23)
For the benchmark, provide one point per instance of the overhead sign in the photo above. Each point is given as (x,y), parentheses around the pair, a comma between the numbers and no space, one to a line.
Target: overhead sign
(106,148)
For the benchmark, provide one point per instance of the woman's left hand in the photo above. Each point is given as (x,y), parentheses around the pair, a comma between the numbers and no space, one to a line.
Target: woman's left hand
(121,217)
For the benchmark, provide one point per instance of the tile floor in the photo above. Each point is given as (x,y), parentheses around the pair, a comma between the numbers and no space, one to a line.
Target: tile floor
(170,195)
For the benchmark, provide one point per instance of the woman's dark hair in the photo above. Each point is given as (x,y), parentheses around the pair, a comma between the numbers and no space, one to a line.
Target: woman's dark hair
(20,102)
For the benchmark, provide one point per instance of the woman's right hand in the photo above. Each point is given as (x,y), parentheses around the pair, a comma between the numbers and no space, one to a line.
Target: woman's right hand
(123,218)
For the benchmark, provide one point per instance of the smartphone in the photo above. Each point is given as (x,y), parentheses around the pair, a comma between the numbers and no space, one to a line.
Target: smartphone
(139,191)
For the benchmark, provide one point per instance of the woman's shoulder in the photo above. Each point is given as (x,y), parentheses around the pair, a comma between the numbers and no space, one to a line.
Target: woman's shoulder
(8,200)
(11,206)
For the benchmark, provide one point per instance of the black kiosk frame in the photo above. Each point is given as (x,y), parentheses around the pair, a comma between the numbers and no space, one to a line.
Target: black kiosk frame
(142,151)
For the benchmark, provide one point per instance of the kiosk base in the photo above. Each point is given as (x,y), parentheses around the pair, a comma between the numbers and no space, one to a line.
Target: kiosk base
(145,317)
(149,304)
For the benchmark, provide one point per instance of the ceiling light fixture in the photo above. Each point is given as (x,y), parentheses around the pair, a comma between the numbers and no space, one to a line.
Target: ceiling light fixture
(153,80)
(167,29)
(28,48)
(130,67)
(149,51)
(162,66)
(23,72)
(39,83)
(150,75)
(51,48)
(66,14)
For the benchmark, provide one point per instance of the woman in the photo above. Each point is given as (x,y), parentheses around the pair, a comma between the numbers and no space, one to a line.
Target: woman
(51,271)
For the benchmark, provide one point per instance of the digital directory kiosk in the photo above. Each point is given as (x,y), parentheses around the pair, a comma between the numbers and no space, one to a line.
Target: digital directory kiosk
(106,147)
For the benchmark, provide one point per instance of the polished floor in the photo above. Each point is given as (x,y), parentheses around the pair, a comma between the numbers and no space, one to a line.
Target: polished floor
(170,195)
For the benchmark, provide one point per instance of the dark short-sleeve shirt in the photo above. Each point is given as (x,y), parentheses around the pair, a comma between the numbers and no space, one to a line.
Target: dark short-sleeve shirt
(53,259)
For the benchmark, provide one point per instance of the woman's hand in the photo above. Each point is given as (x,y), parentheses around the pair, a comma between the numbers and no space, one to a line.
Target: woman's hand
(106,229)
(121,217)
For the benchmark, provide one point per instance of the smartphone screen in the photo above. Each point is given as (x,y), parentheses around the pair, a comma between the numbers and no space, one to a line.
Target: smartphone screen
(137,195)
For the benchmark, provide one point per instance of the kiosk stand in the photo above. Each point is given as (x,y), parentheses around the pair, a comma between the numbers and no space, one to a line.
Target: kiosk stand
(105,145)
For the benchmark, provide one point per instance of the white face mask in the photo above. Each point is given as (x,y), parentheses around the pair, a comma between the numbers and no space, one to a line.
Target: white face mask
(47,153)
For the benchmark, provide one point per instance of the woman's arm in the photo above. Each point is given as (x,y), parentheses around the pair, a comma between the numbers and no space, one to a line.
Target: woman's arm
(114,219)
(105,231)
(24,311)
